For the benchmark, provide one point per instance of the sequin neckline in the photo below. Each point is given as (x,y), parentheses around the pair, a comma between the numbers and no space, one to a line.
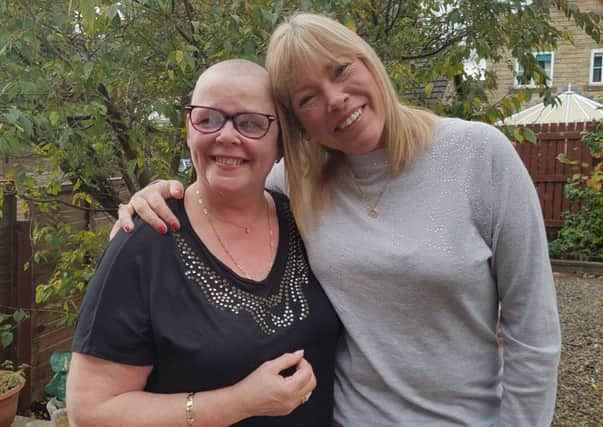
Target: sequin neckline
(271,308)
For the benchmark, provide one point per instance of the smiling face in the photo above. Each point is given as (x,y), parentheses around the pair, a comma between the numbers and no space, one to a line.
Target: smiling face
(227,161)
(339,105)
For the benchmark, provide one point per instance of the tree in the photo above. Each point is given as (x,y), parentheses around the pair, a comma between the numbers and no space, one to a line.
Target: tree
(96,87)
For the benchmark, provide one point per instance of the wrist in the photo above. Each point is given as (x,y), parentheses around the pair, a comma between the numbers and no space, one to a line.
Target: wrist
(221,407)
(241,403)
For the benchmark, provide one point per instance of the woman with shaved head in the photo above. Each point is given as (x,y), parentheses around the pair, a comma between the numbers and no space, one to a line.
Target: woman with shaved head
(222,321)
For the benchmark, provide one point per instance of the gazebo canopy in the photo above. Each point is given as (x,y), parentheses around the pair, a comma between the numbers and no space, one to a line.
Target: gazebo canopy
(573,108)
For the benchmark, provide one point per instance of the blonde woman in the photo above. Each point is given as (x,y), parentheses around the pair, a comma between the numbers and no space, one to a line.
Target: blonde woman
(418,227)
(221,322)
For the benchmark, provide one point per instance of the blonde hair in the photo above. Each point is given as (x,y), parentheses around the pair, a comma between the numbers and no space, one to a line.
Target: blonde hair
(304,40)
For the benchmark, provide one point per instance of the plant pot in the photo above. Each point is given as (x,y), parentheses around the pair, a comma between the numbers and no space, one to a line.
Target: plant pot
(8,405)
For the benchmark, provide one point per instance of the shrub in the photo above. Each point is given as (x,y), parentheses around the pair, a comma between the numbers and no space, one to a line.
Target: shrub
(582,234)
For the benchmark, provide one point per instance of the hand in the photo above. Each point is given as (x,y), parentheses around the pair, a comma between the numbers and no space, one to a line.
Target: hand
(266,392)
(149,204)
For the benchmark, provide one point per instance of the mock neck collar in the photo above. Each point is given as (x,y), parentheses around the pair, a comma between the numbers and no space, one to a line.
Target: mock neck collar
(373,162)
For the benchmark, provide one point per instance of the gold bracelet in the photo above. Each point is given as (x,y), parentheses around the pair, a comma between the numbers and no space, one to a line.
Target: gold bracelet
(188,410)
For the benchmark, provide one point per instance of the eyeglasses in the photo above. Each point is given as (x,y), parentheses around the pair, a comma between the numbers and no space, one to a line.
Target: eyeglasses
(209,120)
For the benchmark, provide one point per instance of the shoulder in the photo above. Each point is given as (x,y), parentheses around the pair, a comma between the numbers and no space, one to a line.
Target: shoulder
(282,205)
(125,268)
(281,200)
(144,242)
(286,219)
(141,240)
(145,234)
(471,140)
(471,132)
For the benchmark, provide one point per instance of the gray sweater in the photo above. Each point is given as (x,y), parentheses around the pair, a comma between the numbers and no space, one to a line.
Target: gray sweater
(417,288)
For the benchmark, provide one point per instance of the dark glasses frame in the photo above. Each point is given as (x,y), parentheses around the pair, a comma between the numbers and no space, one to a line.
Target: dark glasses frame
(232,117)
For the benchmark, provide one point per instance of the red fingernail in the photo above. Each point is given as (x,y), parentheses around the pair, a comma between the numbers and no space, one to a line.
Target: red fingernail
(175,226)
(162,229)
(127,228)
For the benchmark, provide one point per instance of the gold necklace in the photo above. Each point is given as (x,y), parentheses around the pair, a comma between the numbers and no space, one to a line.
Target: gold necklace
(245,228)
(372,210)
(221,242)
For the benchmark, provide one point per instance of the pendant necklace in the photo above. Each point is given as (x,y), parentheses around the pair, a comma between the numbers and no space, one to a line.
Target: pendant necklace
(245,228)
(372,209)
(221,242)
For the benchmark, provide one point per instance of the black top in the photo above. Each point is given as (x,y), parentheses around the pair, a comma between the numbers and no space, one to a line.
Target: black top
(166,301)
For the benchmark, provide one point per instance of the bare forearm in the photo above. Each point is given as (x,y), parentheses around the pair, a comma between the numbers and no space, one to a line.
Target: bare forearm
(102,393)
(215,408)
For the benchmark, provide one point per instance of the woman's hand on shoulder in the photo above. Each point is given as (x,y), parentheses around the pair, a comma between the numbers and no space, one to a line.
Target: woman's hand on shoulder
(266,392)
(149,204)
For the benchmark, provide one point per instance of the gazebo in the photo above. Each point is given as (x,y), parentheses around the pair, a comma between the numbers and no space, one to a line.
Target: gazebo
(572,108)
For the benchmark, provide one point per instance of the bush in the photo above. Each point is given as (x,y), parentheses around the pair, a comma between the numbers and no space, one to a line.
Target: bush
(582,234)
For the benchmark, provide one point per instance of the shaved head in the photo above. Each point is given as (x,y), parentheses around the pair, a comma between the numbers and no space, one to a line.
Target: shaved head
(232,69)
(236,89)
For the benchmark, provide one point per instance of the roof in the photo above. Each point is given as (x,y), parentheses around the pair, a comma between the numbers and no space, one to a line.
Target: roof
(437,95)
(572,108)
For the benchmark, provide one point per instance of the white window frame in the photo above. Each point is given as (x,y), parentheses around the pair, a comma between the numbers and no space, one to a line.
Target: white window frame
(517,85)
(593,52)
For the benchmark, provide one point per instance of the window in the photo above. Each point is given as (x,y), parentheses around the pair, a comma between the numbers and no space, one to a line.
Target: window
(185,165)
(545,61)
(596,67)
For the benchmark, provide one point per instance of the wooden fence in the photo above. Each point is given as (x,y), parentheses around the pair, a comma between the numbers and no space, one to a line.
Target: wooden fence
(548,173)
(42,332)
(15,251)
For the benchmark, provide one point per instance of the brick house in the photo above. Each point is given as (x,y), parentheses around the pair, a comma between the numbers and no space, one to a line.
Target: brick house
(579,65)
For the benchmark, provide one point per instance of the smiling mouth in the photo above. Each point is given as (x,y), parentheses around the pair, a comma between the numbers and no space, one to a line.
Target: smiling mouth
(228,161)
(350,119)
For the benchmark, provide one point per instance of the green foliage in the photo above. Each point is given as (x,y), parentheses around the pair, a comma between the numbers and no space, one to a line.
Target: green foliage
(96,88)
(74,255)
(59,363)
(11,376)
(8,323)
(582,234)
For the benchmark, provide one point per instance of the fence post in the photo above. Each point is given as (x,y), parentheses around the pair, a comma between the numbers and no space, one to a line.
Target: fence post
(21,289)
(10,214)
(24,300)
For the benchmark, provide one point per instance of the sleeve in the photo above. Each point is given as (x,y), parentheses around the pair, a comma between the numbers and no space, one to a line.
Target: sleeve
(276,180)
(522,269)
(113,322)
